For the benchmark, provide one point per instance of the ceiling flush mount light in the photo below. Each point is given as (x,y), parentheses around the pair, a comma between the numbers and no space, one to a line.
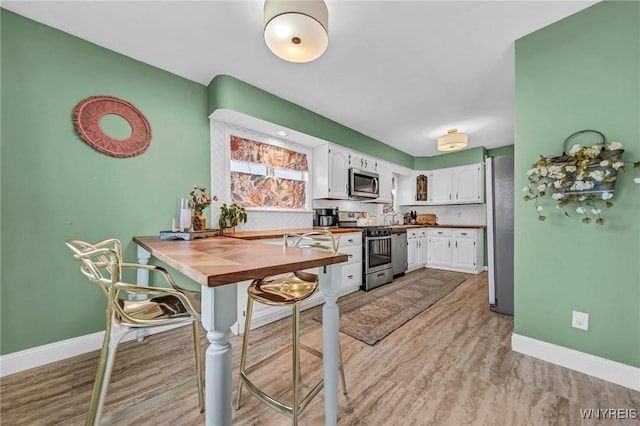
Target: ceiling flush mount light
(452,141)
(282,133)
(296,31)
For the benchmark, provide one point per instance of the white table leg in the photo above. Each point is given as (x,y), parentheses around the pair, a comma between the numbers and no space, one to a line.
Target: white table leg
(142,278)
(330,282)
(219,312)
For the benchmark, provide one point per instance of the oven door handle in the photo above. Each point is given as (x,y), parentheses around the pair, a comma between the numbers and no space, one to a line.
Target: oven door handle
(377,238)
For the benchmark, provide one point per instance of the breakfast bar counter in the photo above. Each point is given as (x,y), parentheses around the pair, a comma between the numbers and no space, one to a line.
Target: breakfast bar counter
(217,263)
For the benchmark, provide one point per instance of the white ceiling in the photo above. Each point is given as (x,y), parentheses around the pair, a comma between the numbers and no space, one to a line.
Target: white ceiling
(401,72)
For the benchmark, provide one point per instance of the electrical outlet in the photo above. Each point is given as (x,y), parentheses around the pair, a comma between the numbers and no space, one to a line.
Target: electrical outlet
(580,320)
(459,214)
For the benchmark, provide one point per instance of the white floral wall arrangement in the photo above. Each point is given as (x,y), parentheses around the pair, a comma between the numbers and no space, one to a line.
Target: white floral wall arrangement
(585,176)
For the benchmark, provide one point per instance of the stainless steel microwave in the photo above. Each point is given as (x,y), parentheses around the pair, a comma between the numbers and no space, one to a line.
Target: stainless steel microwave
(363,184)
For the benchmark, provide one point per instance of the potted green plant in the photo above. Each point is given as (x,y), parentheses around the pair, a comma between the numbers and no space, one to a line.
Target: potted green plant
(231,216)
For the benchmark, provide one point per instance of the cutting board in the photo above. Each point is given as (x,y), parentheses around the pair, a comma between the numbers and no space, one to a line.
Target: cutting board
(427,219)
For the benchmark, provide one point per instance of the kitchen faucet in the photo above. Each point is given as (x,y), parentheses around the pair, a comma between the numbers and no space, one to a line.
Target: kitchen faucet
(393,218)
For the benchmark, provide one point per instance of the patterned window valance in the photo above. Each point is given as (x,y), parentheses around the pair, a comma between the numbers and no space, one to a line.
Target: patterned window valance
(267,191)
(249,151)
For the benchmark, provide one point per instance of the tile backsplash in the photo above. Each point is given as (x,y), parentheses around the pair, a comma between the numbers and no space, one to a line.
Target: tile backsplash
(461,214)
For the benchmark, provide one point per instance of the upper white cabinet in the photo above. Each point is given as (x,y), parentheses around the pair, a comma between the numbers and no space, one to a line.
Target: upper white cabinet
(385,177)
(468,184)
(330,172)
(440,186)
(331,164)
(362,162)
(454,185)
(406,190)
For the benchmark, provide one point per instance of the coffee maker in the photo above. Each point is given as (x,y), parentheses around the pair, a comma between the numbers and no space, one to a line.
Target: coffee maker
(325,218)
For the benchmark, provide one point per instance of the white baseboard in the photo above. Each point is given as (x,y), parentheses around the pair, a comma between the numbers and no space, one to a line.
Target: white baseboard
(41,355)
(602,368)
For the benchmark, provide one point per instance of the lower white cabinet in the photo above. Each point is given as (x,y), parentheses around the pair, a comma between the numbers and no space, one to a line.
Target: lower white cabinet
(350,244)
(455,249)
(416,248)
(439,249)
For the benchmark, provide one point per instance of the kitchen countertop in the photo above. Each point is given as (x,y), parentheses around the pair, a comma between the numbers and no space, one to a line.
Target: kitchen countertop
(400,227)
(277,233)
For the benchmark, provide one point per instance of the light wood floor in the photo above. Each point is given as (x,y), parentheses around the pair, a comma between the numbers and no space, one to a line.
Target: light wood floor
(450,365)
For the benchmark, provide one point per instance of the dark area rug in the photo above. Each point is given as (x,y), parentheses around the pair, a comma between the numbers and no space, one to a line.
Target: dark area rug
(373,315)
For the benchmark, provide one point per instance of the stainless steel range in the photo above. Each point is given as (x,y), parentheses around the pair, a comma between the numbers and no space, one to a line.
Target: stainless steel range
(376,250)
(376,257)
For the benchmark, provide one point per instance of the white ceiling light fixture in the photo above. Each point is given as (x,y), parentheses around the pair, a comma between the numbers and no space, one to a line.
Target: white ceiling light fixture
(282,133)
(453,141)
(296,31)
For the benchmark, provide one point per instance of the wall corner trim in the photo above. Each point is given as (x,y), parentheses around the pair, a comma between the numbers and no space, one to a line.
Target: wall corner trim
(602,368)
(35,357)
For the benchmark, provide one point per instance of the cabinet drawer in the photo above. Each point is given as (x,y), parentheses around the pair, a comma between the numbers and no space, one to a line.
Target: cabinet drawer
(347,240)
(422,232)
(354,252)
(464,233)
(412,233)
(351,275)
(439,232)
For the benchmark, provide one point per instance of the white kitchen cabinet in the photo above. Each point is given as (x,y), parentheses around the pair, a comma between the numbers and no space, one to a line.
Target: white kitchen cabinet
(453,185)
(406,190)
(455,249)
(439,247)
(412,250)
(440,186)
(416,248)
(360,161)
(331,172)
(468,184)
(350,244)
(422,246)
(385,177)
(463,252)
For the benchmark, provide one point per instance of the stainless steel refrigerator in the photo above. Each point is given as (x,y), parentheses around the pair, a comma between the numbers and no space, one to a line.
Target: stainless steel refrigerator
(500,199)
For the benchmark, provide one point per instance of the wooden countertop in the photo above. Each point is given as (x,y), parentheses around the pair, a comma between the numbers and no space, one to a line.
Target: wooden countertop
(218,261)
(278,233)
(396,227)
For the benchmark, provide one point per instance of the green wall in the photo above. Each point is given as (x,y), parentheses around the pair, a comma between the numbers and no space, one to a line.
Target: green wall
(226,92)
(56,187)
(452,159)
(503,150)
(580,73)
